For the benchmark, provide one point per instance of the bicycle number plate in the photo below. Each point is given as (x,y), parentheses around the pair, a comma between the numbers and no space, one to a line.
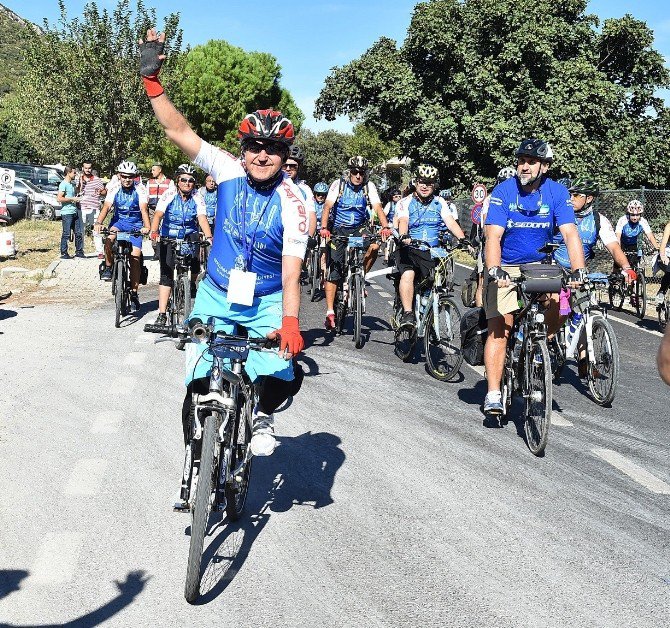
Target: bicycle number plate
(355,242)
(230,350)
(438,252)
(121,236)
(600,278)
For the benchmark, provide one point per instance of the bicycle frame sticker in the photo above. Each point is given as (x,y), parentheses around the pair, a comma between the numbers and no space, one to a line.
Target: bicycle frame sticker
(230,350)
(122,236)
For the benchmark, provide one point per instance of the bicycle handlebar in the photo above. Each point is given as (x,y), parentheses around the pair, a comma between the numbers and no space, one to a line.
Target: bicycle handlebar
(204,333)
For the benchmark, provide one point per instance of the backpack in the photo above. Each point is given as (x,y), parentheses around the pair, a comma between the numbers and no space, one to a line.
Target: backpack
(469,289)
(474,329)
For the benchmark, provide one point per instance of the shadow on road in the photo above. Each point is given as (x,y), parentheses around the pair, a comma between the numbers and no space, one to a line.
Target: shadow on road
(129,589)
(5,313)
(301,472)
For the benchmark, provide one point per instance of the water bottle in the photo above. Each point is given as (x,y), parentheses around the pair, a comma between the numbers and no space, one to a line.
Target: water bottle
(517,344)
(573,333)
(424,299)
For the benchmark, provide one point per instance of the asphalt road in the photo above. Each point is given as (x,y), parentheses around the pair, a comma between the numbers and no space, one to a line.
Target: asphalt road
(388,503)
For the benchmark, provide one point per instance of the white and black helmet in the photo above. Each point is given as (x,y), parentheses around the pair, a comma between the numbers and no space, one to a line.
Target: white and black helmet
(505,173)
(127,167)
(184,169)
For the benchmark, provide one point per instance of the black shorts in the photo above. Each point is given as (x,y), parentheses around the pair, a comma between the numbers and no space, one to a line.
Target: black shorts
(167,257)
(337,251)
(411,258)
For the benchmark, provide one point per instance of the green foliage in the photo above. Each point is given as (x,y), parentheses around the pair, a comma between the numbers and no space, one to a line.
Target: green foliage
(13,30)
(473,77)
(326,155)
(365,141)
(81,96)
(222,83)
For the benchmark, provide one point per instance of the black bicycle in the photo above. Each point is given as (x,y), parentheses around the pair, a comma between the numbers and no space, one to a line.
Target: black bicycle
(218,459)
(181,302)
(636,291)
(314,274)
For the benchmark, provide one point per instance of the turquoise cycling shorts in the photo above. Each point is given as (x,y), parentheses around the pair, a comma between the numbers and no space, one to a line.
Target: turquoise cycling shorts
(260,318)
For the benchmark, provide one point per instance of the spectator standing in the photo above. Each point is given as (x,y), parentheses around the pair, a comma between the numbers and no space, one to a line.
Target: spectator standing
(91,190)
(70,218)
(156,186)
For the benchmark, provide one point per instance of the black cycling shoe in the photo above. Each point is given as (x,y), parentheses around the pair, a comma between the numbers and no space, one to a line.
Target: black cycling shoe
(106,274)
(407,318)
(134,302)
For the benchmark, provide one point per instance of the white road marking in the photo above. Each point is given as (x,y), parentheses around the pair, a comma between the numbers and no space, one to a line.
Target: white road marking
(558,419)
(384,294)
(632,470)
(122,385)
(377,273)
(390,302)
(106,422)
(653,332)
(144,339)
(465,266)
(376,286)
(135,358)
(85,477)
(56,560)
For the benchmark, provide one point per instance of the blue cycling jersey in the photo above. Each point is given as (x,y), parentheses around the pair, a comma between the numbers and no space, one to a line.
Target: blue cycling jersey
(425,220)
(180,218)
(127,207)
(630,233)
(586,227)
(351,210)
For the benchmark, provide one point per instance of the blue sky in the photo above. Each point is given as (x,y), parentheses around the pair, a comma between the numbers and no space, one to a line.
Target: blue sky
(309,38)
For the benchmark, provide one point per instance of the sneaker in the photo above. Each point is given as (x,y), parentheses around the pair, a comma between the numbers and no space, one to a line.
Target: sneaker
(583,368)
(660,298)
(493,402)
(134,302)
(263,441)
(161,320)
(80,254)
(407,318)
(66,256)
(106,275)
(330,322)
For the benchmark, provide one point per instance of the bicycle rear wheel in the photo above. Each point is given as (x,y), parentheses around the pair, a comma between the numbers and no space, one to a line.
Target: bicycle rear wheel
(357,309)
(603,373)
(641,295)
(538,395)
(315,272)
(237,476)
(201,507)
(442,341)
(118,289)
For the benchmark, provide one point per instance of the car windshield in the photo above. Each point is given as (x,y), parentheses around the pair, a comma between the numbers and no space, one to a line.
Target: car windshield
(28,184)
(48,177)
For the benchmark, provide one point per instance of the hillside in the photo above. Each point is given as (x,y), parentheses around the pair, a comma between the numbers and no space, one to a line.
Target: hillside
(11,61)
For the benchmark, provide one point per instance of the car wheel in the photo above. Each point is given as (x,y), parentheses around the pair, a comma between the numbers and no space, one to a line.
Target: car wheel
(49,212)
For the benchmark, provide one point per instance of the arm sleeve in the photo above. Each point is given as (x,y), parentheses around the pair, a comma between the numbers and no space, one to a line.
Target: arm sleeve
(445,210)
(645,226)
(373,194)
(621,223)
(164,200)
(309,199)
(294,220)
(111,193)
(201,208)
(497,214)
(606,234)
(142,194)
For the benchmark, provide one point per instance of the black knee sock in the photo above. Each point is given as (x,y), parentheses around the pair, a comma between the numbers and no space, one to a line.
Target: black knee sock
(273,392)
(665,282)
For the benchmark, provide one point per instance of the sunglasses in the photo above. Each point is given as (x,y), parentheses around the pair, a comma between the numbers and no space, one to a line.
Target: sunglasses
(186,180)
(574,194)
(425,182)
(357,171)
(126,176)
(271,148)
(290,166)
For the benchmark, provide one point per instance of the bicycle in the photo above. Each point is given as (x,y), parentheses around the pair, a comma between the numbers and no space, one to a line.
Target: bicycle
(122,248)
(663,312)
(350,295)
(314,269)
(437,315)
(596,335)
(218,459)
(527,369)
(618,290)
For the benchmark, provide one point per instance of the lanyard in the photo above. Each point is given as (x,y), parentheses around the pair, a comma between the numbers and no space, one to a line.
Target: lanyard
(248,243)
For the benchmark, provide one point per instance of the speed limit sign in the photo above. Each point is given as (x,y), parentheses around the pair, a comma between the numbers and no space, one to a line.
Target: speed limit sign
(7,177)
(478,193)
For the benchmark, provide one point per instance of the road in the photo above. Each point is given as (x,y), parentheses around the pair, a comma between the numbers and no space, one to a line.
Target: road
(387,503)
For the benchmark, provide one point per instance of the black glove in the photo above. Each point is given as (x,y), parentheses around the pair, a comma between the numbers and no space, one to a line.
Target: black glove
(578,276)
(497,274)
(150,64)
(311,242)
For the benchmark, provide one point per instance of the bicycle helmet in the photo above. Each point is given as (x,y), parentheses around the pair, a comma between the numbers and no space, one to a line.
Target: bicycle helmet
(184,169)
(505,173)
(532,147)
(427,173)
(584,186)
(565,181)
(266,124)
(321,188)
(296,153)
(635,208)
(127,167)
(359,162)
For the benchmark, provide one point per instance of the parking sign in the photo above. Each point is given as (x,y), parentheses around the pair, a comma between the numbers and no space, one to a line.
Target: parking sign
(478,193)
(7,177)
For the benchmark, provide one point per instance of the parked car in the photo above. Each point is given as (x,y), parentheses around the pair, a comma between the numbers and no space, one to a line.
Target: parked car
(46,179)
(44,204)
(16,205)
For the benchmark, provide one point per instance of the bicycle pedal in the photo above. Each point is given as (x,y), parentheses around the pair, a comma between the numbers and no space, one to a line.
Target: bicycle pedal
(182,507)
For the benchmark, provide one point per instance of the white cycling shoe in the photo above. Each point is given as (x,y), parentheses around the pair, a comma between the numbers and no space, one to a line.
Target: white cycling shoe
(263,442)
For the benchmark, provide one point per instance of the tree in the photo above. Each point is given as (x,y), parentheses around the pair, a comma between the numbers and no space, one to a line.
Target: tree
(474,77)
(326,155)
(82,97)
(365,141)
(223,83)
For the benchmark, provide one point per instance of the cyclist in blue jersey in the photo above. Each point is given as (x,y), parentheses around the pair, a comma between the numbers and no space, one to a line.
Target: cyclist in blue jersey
(390,213)
(182,211)
(348,199)
(253,269)
(129,202)
(320,193)
(631,226)
(421,216)
(208,194)
(524,212)
(292,168)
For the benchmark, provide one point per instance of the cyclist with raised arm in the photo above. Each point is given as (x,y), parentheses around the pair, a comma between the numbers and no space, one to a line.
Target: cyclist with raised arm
(181,211)
(128,201)
(348,199)
(253,269)
(421,216)
(523,214)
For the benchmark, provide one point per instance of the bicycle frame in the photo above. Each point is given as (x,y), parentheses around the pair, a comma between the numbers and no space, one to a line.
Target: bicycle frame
(437,289)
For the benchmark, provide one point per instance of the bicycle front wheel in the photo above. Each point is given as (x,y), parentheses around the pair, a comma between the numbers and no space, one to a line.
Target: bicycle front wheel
(315,272)
(538,395)
(237,484)
(442,341)
(641,294)
(664,313)
(118,289)
(357,309)
(201,507)
(603,372)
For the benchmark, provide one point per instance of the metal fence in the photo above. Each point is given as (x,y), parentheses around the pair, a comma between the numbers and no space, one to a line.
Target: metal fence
(612,204)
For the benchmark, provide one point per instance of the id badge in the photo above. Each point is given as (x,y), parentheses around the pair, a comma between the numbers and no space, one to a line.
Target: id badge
(241,287)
